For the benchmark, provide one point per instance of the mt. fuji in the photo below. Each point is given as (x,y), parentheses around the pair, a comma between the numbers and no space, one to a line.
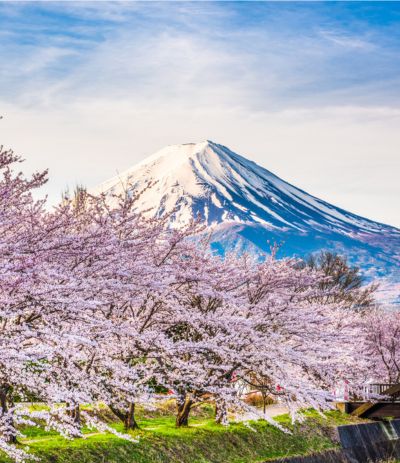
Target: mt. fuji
(248,208)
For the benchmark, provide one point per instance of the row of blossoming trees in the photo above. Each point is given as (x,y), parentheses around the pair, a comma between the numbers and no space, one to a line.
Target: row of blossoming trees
(101,305)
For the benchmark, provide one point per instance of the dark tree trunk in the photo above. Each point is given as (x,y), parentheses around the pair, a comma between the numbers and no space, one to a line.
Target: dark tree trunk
(129,421)
(264,397)
(184,404)
(221,413)
(5,401)
(126,416)
(76,415)
(74,412)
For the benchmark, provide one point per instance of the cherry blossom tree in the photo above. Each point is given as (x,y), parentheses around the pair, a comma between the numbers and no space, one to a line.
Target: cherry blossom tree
(133,289)
(302,339)
(26,327)
(382,343)
(47,304)
(21,267)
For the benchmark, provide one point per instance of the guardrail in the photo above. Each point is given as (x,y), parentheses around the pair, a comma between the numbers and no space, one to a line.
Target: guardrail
(381,389)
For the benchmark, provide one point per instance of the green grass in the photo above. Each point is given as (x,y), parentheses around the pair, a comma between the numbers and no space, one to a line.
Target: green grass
(202,442)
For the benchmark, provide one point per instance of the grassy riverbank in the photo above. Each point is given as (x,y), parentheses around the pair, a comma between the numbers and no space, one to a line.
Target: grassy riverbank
(202,442)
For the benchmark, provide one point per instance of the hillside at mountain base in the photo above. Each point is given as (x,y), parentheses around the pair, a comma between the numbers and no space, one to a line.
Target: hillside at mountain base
(249,209)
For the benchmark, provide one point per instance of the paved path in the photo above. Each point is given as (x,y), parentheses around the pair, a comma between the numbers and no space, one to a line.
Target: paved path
(275,410)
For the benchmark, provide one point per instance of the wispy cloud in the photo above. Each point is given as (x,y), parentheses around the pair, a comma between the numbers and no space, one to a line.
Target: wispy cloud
(347,41)
(209,53)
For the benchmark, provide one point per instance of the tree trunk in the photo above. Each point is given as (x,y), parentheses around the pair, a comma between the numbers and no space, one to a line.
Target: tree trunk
(129,421)
(221,413)
(264,397)
(184,404)
(74,412)
(127,417)
(76,415)
(11,436)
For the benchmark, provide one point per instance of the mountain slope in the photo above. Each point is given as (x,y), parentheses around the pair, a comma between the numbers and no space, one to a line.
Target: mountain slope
(250,207)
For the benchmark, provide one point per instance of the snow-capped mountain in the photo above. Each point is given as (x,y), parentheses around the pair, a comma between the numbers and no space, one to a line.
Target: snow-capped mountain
(250,207)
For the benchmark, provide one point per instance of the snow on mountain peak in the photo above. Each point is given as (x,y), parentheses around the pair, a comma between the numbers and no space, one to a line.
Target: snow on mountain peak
(209,179)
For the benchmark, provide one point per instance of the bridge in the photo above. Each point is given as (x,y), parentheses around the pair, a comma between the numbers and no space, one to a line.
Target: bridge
(387,405)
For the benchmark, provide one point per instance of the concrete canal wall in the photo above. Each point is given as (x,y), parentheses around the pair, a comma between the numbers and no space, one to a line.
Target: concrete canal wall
(360,443)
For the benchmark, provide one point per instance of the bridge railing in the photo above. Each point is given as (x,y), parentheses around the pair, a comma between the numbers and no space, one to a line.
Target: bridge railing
(371,391)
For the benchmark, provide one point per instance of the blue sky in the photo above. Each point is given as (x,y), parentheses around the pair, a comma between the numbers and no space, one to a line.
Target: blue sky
(309,90)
